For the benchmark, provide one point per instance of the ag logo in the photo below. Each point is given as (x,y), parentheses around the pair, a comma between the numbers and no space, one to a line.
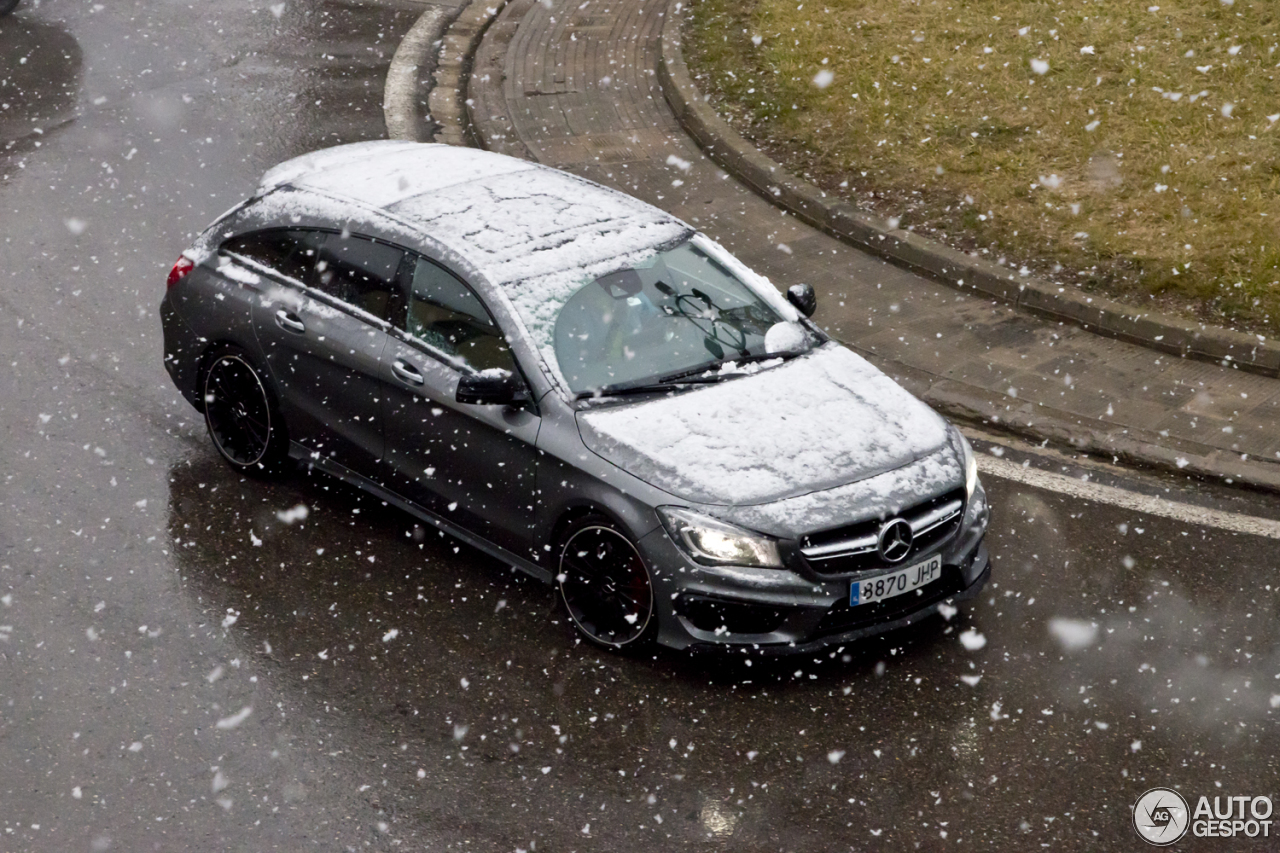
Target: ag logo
(1161,817)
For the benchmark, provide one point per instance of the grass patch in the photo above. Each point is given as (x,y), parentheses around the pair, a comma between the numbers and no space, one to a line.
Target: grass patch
(1126,148)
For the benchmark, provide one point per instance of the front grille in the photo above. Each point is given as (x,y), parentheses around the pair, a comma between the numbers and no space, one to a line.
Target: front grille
(854,548)
(842,617)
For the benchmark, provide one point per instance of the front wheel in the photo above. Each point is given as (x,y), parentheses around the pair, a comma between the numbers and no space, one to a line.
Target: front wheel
(605,586)
(241,414)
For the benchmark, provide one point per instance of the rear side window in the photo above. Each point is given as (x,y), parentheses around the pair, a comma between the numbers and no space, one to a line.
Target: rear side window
(444,314)
(291,252)
(360,272)
(355,270)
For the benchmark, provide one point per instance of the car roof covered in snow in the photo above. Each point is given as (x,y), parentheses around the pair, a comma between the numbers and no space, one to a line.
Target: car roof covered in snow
(534,233)
(511,219)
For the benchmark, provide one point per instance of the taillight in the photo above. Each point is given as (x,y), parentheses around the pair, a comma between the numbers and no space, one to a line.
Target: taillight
(180,270)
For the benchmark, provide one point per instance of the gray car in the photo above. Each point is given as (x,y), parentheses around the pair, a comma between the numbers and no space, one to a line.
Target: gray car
(580,385)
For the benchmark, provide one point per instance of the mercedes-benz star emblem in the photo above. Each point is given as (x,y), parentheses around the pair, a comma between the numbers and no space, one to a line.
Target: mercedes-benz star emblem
(895,541)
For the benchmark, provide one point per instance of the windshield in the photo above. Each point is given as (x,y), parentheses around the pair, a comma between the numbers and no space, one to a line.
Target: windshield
(679,311)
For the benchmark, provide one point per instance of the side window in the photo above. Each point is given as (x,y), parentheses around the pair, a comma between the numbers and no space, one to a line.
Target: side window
(444,314)
(359,272)
(289,252)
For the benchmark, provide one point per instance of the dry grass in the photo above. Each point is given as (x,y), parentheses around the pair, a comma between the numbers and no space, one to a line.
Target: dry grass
(1143,161)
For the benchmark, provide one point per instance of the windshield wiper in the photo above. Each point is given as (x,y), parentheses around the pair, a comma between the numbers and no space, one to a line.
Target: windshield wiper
(688,376)
(705,374)
(666,383)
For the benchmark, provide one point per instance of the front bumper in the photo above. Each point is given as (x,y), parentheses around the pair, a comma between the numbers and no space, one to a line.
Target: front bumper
(777,611)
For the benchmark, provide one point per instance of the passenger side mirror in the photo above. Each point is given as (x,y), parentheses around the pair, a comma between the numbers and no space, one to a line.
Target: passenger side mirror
(803,298)
(491,388)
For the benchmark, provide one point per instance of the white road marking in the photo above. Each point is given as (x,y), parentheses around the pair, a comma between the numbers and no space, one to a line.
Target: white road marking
(401,88)
(1146,504)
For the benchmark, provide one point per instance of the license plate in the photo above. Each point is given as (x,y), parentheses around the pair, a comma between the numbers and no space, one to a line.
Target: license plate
(895,583)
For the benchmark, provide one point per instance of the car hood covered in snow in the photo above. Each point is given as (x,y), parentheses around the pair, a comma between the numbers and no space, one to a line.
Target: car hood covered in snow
(824,420)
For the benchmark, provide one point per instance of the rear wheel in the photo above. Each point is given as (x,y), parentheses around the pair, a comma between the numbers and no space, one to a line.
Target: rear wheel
(605,586)
(241,414)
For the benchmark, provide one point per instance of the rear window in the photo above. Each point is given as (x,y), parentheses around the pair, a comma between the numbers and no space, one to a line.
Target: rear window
(358,271)
(291,253)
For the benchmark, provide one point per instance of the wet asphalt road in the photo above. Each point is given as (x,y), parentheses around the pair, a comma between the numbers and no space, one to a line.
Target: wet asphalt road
(405,692)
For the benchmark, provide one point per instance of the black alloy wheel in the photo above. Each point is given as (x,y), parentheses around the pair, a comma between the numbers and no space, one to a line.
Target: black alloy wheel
(605,586)
(241,415)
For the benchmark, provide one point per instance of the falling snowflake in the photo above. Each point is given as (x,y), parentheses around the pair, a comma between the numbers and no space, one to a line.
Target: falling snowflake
(235,719)
(1073,634)
(297,513)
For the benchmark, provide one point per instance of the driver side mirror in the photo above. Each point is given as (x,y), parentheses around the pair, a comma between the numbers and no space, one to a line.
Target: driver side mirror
(491,388)
(803,298)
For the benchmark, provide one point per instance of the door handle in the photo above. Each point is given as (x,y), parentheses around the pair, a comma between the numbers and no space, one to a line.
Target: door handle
(290,322)
(406,372)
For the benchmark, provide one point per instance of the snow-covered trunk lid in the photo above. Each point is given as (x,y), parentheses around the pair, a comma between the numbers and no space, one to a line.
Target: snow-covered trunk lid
(819,421)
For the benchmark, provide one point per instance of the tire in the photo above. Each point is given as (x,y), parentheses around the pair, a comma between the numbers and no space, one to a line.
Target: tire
(241,414)
(7,6)
(605,587)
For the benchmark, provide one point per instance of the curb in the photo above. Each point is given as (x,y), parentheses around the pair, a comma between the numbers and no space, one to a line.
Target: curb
(401,107)
(806,202)
(490,126)
(448,100)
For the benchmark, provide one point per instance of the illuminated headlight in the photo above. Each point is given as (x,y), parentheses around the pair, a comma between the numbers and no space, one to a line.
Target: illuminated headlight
(718,543)
(970,466)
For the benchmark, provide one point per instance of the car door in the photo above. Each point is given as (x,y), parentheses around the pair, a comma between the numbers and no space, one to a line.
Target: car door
(472,464)
(323,328)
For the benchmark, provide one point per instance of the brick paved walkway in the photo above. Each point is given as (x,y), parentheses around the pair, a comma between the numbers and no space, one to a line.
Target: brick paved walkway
(575,86)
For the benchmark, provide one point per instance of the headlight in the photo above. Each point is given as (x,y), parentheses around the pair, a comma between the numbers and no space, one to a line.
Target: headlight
(970,466)
(718,543)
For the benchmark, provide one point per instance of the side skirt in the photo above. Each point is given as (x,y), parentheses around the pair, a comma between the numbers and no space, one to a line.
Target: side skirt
(341,472)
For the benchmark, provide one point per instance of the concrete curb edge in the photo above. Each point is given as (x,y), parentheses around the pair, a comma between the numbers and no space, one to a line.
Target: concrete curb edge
(448,100)
(400,92)
(744,161)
